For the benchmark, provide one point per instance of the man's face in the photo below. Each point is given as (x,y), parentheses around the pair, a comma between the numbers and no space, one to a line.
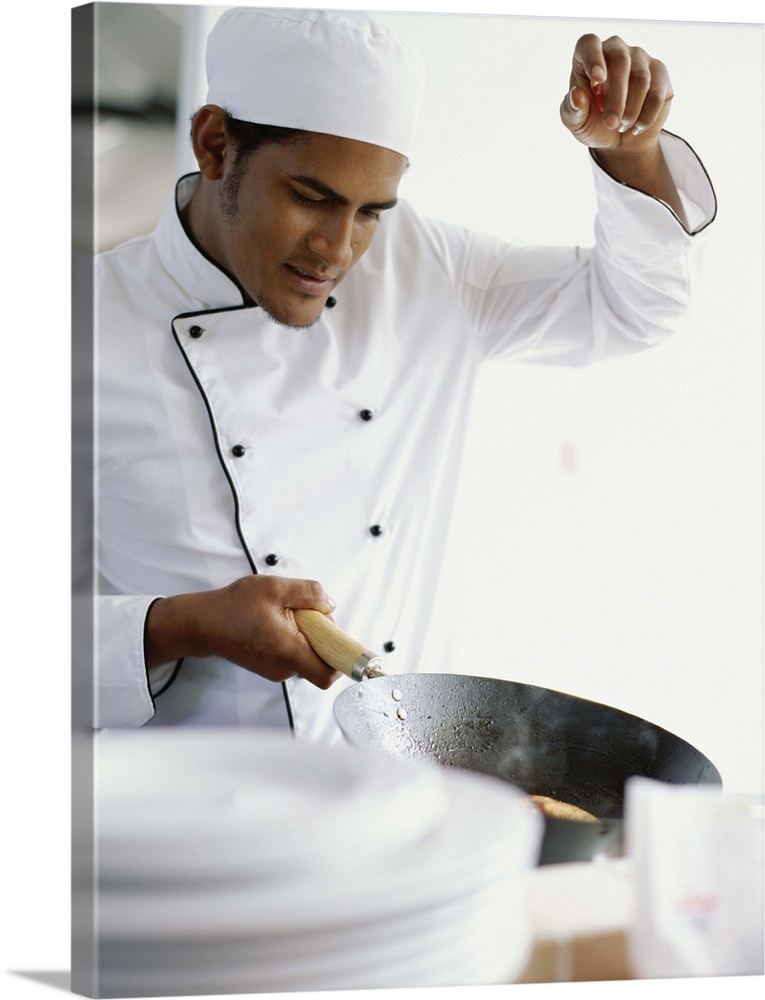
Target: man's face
(293,219)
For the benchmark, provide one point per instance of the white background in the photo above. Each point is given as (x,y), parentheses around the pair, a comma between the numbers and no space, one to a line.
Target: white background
(608,537)
(634,578)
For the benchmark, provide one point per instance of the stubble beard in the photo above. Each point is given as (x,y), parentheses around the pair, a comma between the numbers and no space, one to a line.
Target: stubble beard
(229,205)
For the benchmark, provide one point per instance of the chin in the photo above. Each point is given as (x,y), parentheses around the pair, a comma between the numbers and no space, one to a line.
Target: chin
(285,317)
(291,324)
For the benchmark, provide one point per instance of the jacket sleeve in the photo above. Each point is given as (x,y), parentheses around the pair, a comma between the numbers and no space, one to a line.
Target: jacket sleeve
(576,306)
(124,690)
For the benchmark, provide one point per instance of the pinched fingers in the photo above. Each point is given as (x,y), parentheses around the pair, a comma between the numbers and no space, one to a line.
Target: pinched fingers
(618,88)
(589,63)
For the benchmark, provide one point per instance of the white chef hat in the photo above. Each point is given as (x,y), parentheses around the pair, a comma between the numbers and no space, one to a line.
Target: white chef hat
(338,72)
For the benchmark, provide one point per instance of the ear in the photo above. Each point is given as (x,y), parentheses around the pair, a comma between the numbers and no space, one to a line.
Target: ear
(210,140)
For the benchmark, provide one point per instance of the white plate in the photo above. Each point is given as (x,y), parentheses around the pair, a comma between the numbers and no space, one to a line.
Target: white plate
(233,861)
(202,803)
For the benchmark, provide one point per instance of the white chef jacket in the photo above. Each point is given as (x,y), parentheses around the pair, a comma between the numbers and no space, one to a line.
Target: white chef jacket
(227,444)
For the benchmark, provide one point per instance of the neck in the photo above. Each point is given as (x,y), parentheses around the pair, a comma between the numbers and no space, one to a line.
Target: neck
(196,218)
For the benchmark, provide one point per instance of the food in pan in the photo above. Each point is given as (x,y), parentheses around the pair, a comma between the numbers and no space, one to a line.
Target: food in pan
(562,810)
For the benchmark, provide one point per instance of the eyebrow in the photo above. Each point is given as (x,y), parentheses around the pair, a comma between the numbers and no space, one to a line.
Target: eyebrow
(323,189)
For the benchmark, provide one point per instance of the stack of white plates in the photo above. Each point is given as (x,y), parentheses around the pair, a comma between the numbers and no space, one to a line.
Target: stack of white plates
(232,861)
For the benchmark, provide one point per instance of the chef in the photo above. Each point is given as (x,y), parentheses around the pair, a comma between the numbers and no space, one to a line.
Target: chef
(286,364)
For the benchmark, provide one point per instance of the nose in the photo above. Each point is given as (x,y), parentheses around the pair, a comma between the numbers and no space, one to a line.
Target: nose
(332,239)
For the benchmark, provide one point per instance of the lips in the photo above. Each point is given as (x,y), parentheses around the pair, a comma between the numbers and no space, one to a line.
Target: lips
(309,279)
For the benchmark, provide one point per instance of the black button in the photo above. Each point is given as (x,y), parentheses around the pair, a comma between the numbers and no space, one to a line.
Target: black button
(366,414)
(272,559)
(331,302)
(389,647)
(238,450)
(195,332)
(376,530)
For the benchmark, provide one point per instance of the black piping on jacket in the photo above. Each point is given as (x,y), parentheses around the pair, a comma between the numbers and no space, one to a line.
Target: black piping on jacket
(237,508)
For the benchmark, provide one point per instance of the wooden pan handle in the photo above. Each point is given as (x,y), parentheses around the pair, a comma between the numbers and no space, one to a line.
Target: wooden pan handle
(336,647)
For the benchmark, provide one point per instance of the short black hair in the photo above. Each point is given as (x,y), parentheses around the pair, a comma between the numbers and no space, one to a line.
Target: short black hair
(250,136)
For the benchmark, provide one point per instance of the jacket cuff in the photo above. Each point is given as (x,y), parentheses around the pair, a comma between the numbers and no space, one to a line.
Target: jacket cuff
(122,693)
(691,180)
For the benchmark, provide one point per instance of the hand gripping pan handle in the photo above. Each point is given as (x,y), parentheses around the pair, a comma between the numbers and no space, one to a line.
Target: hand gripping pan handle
(336,647)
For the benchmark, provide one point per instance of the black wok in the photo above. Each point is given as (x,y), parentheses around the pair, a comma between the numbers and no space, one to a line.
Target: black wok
(541,741)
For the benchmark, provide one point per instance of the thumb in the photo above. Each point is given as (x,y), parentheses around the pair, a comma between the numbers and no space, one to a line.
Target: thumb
(310,594)
(575,108)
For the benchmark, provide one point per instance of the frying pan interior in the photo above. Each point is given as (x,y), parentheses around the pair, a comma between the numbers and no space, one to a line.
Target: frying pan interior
(542,741)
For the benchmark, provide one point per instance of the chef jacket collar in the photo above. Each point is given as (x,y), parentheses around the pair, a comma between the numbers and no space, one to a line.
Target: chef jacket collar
(209,285)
